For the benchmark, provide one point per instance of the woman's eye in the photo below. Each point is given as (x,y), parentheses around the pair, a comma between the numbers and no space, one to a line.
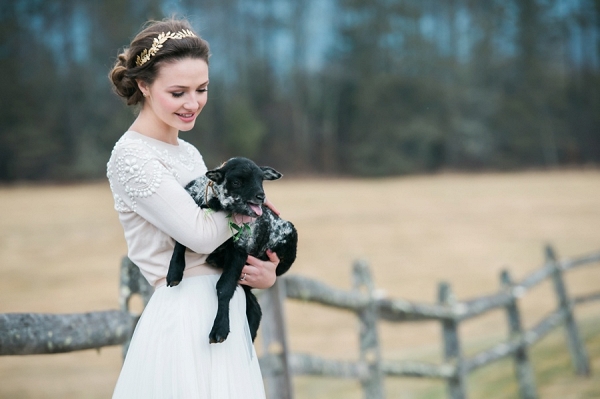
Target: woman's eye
(205,89)
(178,94)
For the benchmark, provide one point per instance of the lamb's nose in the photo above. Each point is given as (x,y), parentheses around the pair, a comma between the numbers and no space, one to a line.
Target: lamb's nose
(260,196)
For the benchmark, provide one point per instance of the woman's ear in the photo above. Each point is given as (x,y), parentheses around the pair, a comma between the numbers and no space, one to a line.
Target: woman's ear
(143,86)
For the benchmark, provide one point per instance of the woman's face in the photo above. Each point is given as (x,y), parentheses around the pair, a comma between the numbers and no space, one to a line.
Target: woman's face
(178,94)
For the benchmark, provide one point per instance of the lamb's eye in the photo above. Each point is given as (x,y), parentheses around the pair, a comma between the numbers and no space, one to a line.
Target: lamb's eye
(236,183)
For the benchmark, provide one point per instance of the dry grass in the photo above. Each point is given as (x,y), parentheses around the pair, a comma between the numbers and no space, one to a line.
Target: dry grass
(60,249)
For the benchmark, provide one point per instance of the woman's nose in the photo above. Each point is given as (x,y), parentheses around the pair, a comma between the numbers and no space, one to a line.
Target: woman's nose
(191,105)
(194,102)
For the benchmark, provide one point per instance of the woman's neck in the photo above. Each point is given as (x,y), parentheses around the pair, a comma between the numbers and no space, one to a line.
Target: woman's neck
(146,125)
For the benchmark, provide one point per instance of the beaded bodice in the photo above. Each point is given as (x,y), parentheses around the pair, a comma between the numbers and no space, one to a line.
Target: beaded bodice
(137,163)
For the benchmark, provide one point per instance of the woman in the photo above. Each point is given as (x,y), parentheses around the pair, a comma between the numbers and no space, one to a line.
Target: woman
(165,71)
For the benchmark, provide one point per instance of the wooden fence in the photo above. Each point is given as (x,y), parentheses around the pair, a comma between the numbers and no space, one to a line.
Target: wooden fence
(27,333)
(279,364)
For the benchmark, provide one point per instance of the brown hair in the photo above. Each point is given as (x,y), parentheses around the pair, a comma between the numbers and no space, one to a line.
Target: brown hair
(125,72)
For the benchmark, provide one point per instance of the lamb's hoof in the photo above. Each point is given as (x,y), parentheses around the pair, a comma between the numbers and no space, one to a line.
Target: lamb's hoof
(173,279)
(216,337)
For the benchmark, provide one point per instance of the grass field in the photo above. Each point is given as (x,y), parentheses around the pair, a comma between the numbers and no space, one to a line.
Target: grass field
(60,248)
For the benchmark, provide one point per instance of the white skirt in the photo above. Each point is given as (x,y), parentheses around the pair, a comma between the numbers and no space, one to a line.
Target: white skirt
(170,356)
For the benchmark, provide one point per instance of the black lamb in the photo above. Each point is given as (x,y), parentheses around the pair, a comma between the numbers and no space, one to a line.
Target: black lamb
(237,187)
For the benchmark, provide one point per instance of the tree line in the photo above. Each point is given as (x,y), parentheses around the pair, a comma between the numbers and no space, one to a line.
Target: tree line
(335,87)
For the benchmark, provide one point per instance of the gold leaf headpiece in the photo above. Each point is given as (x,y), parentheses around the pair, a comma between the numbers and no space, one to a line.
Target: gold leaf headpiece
(158,42)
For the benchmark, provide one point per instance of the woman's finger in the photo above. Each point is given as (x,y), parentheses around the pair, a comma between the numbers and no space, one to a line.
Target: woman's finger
(270,205)
(258,273)
(251,260)
(273,257)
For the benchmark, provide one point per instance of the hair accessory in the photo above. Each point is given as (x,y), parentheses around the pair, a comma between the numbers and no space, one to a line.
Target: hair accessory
(158,42)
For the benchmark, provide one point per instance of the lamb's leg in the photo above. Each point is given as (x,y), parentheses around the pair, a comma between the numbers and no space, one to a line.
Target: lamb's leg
(253,312)
(233,265)
(286,253)
(176,266)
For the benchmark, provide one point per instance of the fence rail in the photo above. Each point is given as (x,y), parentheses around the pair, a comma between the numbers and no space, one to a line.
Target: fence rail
(30,333)
(450,313)
(38,333)
(33,333)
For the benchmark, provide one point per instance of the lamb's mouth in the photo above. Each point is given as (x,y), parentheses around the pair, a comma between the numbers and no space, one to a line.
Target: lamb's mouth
(255,208)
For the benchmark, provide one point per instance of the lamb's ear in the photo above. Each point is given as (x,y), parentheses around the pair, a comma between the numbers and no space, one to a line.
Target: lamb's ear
(270,173)
(216,175)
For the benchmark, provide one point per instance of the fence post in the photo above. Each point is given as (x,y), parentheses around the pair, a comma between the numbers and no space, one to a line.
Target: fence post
(131,283)
(370,352)
(452,350)
(579,354)
(274,339)
(523,369)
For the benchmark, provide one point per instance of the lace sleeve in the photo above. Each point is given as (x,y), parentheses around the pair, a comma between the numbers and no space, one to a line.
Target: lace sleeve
(142,183)
(133,173)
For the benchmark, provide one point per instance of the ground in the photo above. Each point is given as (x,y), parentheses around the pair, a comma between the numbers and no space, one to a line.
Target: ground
(60,249)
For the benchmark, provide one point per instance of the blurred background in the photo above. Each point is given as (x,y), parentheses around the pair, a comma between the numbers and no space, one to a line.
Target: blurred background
(378,112)
(336,87)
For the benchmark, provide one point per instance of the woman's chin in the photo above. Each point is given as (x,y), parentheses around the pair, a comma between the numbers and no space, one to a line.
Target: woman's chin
(187,127)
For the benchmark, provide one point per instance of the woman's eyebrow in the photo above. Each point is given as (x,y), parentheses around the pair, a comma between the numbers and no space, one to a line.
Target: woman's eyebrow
(186,87)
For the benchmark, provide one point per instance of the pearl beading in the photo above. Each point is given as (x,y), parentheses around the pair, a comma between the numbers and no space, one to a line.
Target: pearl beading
(138,165)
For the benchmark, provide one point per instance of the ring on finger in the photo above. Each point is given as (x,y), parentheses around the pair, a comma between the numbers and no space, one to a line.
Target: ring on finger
(243,277)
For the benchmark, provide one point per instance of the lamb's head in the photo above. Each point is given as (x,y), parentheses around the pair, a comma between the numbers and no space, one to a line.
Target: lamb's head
(238,185)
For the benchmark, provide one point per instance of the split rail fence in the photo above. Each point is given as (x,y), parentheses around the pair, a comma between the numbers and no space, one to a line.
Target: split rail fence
(279,364)
(30,333)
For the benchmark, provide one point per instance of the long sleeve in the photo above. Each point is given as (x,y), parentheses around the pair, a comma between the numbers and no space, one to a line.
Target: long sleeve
(147,178)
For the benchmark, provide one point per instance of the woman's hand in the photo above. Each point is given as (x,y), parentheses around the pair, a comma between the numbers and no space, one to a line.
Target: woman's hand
(270,205)
(258,273)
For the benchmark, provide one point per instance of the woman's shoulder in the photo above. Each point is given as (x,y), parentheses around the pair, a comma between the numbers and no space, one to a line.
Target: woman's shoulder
(131,139)
(134,150)
(133,143)
(189,149)
(130,148)
(134,140)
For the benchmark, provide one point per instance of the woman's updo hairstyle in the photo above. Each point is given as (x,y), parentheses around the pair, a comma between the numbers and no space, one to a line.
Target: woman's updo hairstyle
(126,70)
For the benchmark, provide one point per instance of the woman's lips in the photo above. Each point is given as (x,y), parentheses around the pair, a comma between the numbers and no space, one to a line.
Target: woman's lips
(187,117)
